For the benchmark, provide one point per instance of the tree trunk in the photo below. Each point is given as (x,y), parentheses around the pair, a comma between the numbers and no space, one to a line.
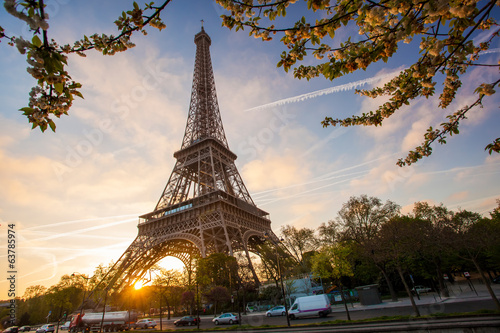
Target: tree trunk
(168,308)
(345,303)
(394,296)
(487,283)
(161,327)
(439,271)
(408,291)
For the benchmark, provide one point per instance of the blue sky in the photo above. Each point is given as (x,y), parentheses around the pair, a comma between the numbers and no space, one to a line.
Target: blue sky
(75,195)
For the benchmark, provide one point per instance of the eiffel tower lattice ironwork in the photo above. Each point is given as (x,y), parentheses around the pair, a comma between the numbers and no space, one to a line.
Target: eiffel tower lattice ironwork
(205,207)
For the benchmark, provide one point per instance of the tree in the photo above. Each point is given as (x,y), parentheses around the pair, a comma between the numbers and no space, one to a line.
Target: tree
(163,282)
(35,303)
(217,269)
(494,251)
(188,300)
(361,218)
(298,242)
(272,293)
(218,295)
(382,26)
(495,214)
(334,261)
(440,238)
(329,232)
(474,236)
(63,297)
(447,51)
(401,240)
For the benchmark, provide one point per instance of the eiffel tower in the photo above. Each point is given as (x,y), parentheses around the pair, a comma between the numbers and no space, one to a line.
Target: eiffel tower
(205,207)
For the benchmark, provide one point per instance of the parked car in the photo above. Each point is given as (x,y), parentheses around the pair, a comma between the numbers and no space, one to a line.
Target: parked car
(47,328)
(276,311)
(187,320)
(24,329)
(226,318)
(421,289)
(65,326)
(145,323)
(12,329)
(496,279)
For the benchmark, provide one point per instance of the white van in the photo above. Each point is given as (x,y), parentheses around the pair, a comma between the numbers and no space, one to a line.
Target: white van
(318,305)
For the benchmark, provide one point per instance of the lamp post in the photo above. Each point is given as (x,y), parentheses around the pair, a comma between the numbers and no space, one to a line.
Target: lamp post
(104,308)
(266,235)
(197,305)
(84,290)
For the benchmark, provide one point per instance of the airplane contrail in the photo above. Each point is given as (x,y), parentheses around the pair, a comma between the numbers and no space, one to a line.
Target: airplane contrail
(497,50)
(343,87)
(327,91)
(58,224)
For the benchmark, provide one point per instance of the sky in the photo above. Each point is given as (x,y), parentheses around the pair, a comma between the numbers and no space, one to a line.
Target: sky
(74,196)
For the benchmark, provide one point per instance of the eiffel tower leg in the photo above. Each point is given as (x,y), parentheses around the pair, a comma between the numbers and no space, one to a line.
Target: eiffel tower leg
(203,249)
(255,277)
(228,241)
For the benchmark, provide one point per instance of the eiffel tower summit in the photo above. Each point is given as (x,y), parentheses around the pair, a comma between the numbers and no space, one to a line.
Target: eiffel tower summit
(205,207)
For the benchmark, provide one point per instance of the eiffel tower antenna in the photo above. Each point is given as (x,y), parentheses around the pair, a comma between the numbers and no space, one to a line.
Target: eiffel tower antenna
(205,207)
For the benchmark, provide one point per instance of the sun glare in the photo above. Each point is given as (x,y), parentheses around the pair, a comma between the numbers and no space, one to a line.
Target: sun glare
(171,263)
(138,285)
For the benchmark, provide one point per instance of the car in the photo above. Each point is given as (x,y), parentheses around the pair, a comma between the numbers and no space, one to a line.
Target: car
(226,318)
(421,289)
(65,326)
(47,328)
(276,311)
(12,329)
(187,320)
(496,279)
(145,323)
(24,329)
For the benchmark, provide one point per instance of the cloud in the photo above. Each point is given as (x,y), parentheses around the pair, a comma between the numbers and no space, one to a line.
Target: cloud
(273,171)
(458,196)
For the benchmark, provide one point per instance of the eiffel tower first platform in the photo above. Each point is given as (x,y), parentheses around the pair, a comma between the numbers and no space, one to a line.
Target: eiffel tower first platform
(205,207)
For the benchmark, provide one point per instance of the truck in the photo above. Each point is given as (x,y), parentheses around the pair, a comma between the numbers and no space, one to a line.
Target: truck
(317,305)
(113,321)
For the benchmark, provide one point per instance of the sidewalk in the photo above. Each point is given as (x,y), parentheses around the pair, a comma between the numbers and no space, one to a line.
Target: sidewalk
(459,292)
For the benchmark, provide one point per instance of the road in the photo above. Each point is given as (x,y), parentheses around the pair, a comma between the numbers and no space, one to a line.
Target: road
(356,314)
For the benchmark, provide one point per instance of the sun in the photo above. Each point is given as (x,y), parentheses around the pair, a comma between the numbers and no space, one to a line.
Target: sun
(138,285)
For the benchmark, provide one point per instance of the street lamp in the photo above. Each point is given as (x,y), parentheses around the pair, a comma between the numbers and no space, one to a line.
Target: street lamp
(266,235)
(84,289)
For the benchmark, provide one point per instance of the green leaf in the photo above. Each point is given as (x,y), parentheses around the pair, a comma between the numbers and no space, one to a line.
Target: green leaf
(36,41)
(77,93)
(27,110)
(52,125)
(59,87)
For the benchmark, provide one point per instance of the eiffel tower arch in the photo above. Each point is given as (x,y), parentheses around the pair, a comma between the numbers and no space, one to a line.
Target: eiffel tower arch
(205,207)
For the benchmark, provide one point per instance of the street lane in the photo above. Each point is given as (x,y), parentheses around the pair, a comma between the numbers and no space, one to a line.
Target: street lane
(439,307)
